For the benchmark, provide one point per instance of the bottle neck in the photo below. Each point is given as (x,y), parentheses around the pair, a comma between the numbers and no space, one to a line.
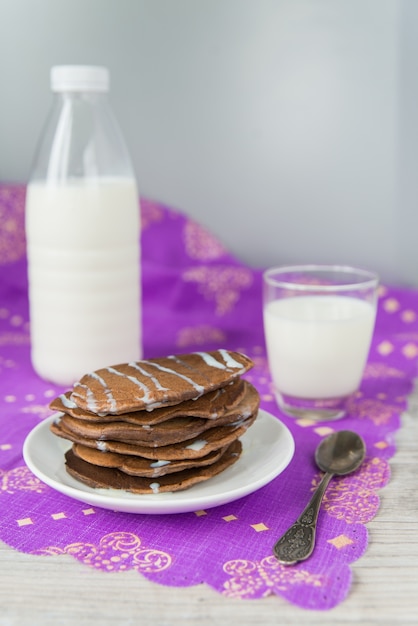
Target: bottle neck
(88,96)
(81,140)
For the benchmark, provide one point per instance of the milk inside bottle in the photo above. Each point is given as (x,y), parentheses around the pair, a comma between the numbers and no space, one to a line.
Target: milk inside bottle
(82,229)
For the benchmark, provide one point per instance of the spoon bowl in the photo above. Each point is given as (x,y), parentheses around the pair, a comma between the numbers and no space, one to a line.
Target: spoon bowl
(340,453)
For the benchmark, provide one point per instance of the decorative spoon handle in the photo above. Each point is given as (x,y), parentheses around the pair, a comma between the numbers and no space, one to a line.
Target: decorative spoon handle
(298,542)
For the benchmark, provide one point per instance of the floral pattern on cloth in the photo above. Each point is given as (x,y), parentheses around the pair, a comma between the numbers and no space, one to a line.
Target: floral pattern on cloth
(198,296)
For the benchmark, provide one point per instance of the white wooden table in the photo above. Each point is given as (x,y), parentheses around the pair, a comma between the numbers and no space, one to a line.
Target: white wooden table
(57,591)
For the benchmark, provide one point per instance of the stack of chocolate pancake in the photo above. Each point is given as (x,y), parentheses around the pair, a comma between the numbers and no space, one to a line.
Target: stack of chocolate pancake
(157,425)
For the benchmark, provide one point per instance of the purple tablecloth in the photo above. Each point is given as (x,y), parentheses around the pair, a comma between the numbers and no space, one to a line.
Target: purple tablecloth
(197,296)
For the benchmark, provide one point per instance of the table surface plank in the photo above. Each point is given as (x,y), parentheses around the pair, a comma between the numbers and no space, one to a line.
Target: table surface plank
(46,591)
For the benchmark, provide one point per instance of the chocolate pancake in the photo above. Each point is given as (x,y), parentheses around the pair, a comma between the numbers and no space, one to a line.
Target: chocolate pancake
(213,439)
(140,466)
(212,405)
(153,383)
(171,431)
(105,477)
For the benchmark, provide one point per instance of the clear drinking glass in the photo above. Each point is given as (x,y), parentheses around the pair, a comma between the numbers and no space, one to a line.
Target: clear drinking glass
(318,324)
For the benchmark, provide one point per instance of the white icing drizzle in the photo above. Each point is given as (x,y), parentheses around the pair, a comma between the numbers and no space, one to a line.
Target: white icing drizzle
(146,391)
(106,388)
(238,423)
(67,402)
(155,487)
(90,399)
(155,405)
(101,445)
(211,361)
(159,463)
(155,380)
(197,445)
(198,388)
(230,362)
(243,423)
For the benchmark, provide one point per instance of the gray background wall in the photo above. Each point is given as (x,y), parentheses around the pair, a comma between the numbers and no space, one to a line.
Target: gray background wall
(288,127)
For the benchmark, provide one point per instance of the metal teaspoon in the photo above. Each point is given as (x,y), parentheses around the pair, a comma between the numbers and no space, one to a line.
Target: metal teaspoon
(339,453)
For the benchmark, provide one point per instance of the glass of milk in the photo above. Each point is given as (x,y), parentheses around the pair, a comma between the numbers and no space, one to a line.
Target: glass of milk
(318,324)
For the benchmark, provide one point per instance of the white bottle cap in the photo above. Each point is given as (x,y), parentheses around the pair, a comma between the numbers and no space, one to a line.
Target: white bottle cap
(79,78)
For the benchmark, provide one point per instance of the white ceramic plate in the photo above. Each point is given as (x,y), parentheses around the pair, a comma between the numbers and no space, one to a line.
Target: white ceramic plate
(268,448)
